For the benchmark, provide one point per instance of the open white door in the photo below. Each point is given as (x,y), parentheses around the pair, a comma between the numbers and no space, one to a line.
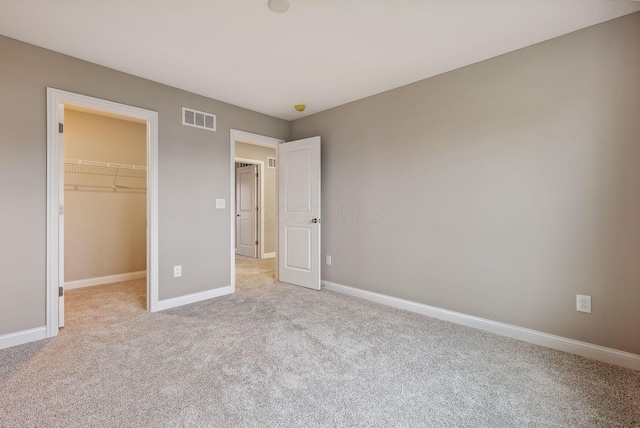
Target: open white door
(246,211)
(61,216)
(299,213)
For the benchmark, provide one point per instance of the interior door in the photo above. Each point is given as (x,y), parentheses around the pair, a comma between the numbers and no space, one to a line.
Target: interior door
(299,213)
(61,216)
(246,211)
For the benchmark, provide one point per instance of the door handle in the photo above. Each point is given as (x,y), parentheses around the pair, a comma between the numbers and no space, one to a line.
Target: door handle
(315,220)
(237,215)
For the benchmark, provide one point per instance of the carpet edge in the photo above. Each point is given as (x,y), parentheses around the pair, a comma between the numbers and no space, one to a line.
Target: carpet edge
(560,343)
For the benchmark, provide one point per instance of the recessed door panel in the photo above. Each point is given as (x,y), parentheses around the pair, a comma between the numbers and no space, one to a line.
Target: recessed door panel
(246,236)
(298,244)
(298,181)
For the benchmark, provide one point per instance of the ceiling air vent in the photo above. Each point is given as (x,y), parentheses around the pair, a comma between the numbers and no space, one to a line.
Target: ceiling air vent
(198,119)
(271,163)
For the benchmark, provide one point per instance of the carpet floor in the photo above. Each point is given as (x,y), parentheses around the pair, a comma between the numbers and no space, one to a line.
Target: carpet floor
(278,355)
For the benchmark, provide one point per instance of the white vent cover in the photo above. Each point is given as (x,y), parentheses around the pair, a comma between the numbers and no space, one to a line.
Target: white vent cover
(198,119)
(271,163)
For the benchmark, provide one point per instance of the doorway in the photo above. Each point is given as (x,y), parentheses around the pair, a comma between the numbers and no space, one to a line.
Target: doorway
(254,198)
(105,184)
(297,208)
(56,102)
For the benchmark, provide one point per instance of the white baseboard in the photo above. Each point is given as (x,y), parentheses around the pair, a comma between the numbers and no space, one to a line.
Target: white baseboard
(193,298)
(22,337)
(584,349)
(269,256)
(90,282)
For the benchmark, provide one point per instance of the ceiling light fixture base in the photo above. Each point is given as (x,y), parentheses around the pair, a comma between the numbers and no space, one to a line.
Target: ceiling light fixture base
(278,6)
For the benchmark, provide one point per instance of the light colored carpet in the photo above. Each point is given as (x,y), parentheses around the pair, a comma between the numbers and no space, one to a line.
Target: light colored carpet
(279,355)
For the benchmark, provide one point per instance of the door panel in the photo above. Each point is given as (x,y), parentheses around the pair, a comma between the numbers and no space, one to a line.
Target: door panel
(298,254)
(299,214)
(246,214)
(297,193)
(247,239)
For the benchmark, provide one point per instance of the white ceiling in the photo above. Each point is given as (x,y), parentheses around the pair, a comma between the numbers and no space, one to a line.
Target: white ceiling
(322,53)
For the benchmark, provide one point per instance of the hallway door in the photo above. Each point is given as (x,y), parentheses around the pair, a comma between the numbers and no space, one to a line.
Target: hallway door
(247,211)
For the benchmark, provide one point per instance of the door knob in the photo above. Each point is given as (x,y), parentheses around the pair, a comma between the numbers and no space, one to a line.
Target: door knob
(315,220)
(237,215)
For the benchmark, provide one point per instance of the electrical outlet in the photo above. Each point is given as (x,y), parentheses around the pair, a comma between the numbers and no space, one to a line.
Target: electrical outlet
(583,303)
(220,204)
(327,260)
(177,271)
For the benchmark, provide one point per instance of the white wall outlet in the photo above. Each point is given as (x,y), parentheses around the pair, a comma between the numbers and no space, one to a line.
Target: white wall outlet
(220,204)
(177,271)
(327,260)
(583,303)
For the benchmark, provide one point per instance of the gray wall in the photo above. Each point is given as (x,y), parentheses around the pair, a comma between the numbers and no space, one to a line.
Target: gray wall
(499,190)
(250,151)
(193,171)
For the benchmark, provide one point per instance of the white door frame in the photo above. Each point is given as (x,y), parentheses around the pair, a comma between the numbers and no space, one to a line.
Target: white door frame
(257,140)
(260,201)
(55,97)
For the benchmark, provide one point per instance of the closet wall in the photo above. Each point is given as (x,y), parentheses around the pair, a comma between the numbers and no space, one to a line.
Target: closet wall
(249,151)
(105,229)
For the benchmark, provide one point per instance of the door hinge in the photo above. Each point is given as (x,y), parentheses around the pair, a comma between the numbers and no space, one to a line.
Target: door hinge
(60,291)
(60,209)
(256,242)
(256,208)
(61,128)
(256,175)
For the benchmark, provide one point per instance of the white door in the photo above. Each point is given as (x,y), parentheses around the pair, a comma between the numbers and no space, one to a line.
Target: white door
(61,216)
(246,211)
(299,213)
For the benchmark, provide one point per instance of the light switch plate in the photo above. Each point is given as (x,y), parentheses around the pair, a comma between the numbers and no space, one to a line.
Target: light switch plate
(220,204)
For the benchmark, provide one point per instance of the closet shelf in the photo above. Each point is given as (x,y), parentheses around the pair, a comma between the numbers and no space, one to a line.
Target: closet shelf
(101,175)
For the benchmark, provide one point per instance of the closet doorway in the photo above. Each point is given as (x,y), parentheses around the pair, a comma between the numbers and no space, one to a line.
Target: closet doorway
(105,195)
(101,199)
(254,195)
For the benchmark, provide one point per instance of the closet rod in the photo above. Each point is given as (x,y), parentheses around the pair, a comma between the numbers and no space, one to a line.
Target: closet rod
(104,164)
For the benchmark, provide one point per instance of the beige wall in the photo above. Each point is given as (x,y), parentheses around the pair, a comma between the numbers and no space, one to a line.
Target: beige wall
(250,151)
(193,170)
(500,190)
(105,230)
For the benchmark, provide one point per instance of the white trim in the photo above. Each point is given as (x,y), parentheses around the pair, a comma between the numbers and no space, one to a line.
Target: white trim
(193,298)
(55,97)
(256,140)
(260,201)
(269,255)
(22,337)
(100,280)
(584,349)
